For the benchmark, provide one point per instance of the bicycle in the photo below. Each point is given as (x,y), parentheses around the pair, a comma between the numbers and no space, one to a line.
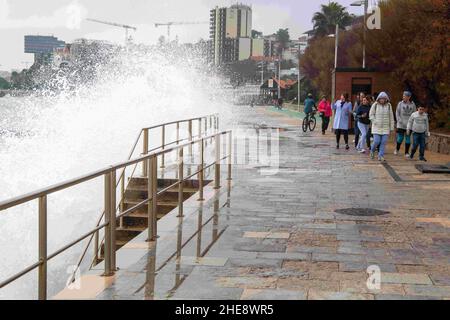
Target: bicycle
(309,122)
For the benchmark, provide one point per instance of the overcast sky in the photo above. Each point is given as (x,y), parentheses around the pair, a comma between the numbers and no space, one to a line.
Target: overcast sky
(65,19)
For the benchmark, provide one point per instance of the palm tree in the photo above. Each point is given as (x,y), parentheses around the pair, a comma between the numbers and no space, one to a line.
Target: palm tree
(325,21)
(283,38)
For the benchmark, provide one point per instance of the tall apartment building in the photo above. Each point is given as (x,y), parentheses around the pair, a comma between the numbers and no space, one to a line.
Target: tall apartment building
(230,34)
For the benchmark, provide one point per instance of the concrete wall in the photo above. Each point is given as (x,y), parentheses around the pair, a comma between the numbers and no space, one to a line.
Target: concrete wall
(439,143)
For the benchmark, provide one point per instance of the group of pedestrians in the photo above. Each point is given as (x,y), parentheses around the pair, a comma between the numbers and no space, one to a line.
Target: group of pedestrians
(375,121)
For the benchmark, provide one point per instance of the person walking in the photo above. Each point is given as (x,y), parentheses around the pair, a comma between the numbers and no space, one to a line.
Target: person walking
(382,118)
(418,124)
(405,109)
(325,113)
(343,110)
(358,102)
(363,121)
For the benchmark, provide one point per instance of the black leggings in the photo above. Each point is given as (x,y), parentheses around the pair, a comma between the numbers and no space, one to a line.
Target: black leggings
(325,123)
(338,135)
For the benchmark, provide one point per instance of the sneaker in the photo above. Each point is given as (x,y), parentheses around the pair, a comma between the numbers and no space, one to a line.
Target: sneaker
(381,159)
(372,155)
(347,147)
(337,146)
(396,152)
(362,151)
(423,159)
(406,155)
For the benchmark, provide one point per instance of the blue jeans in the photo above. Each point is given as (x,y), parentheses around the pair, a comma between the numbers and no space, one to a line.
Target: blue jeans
(363,128)
(379,140)
(418,141)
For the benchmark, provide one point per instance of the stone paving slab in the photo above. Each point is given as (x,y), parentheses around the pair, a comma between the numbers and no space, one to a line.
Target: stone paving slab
(279,236)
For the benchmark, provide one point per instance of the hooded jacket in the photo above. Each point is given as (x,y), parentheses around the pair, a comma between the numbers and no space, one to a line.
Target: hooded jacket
(382,116)
(403,113)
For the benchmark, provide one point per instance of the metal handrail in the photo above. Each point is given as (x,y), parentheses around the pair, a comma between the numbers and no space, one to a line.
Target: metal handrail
(109,174)
(122,182)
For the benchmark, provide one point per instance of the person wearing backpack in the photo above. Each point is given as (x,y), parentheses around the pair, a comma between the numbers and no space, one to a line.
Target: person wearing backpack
(383,123)
(405,109)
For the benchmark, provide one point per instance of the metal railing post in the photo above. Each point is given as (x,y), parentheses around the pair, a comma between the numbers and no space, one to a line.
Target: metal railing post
(113,207)
(230,148)
(190,137)
(42,272)
(163,145)
(217,163)
(180,182)
(199,127)
(96,236)
(107,243)
(122,195)
(206,130)
(144,152)
(200,172)
(152,195)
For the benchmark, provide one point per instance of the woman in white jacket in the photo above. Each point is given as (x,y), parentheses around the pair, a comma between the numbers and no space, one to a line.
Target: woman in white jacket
(383,122)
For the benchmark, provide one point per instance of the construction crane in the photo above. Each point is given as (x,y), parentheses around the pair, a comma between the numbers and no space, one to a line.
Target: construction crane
(126,27)
(169,24)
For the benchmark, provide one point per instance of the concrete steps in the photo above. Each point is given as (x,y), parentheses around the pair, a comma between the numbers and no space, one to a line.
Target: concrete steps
(136,222)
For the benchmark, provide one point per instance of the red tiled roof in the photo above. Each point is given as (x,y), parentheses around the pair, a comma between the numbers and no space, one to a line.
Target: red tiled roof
(285,84)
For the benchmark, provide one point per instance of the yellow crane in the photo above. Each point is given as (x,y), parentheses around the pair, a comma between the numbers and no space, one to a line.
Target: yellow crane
(170,24)
(126,27)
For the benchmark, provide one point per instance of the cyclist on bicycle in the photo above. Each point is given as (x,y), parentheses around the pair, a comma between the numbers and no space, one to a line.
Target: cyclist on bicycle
(310,105)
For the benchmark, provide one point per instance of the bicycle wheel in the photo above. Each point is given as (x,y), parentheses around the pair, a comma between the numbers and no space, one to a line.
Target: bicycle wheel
(312,123)
(305,125)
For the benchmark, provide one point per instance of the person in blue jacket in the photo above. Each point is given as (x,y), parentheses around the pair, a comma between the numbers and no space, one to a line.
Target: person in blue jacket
(343,110)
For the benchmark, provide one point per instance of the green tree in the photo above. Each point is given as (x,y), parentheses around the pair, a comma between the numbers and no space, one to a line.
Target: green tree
(325,21)
(4,84)
(283,38)
(413,46)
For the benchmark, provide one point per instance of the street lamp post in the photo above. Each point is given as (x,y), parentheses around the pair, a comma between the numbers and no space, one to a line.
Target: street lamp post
(364,3)
(298,77)
(336,46)
(279,74)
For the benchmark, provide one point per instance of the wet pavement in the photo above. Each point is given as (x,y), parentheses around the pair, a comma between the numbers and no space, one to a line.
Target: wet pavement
(305,224)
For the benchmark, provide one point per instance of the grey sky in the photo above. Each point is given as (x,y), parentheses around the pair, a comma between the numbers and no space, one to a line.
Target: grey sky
(65,20)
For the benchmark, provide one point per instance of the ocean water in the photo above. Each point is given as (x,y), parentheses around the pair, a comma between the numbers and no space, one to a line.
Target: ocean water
(49,138)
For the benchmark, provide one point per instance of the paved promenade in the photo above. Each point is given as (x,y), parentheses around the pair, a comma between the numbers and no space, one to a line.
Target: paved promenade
(308,231)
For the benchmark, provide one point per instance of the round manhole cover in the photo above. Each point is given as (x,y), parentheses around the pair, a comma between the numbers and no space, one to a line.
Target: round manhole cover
(362,212)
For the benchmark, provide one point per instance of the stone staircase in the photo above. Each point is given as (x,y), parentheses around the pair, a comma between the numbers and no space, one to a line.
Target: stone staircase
(137,221)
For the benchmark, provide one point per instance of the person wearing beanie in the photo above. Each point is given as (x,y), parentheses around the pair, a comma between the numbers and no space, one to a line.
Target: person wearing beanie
(383,123)
(405,109)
